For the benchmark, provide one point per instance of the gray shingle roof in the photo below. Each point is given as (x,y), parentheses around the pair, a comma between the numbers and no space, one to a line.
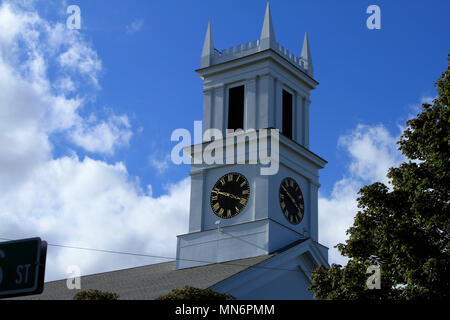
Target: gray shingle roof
(149,282)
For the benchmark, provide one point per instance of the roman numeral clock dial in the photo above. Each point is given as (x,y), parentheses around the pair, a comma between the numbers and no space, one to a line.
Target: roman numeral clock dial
(230,195)
(291,201)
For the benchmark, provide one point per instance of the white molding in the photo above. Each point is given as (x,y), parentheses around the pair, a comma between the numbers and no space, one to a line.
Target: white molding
(255,278)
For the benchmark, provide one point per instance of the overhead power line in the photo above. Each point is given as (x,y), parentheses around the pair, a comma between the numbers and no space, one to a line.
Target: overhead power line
(299,270)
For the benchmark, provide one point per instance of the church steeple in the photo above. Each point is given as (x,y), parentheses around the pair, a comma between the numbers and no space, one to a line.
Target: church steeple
(267,40)
(252,86)
(208,48)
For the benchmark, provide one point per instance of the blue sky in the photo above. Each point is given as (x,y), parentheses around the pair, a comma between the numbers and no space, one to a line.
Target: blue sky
(366,76)
(97,107)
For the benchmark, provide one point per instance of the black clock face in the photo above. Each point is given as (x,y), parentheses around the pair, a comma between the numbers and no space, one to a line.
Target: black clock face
(229,195)
(291,201)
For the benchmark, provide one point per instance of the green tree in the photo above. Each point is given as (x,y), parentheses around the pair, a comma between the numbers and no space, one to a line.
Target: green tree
(191,293)
(403,229)
(95,295)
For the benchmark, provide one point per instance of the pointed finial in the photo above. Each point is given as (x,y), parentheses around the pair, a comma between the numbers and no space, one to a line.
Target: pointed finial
(306,56)
(208,48)
(267,40)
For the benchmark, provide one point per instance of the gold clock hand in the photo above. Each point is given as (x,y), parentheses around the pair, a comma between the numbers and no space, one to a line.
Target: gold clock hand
(235,197)
(226,194)
(231,196)
(291,198)
(220,192)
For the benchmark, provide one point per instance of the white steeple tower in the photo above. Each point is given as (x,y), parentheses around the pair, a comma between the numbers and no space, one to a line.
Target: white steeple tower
(256,85)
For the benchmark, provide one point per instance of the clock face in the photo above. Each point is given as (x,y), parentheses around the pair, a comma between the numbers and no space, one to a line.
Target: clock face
(291,201)
(229,195)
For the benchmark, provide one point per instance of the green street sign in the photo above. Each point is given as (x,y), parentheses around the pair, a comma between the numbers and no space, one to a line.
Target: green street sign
(22,267)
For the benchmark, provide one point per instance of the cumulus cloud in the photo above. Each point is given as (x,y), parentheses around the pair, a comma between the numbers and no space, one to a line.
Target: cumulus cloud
(372,151)
(89,203)
(47,73)
(41,64)
(82,59)
(103,137)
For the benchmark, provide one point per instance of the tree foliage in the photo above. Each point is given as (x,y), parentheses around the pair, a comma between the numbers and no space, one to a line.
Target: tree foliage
(191,293)
(95,295)
(405,228)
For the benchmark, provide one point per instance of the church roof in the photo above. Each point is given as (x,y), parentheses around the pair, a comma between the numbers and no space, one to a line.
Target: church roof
(151,281)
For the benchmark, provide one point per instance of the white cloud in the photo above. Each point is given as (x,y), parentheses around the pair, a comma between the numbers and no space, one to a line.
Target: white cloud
(372,151)
(135,26)
(39,104)
(11,24)
(416,108)
(68,200)
(65,85)
(428,100)
(103,137)
(93,204)
(160,164)
(81,58)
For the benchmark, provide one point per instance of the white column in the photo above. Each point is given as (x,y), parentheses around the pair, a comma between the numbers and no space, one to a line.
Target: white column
(219,109)
(313,211)
(278,105)
(305,129)
(224,108)
(196,204)
(265,110)
(299,125)
(250,104)
(207,109)
(306,121)
(261,196)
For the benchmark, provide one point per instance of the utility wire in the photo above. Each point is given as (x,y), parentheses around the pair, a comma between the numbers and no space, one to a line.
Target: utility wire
(299,270)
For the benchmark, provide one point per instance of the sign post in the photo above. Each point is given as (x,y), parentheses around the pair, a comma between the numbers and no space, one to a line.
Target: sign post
(22,267)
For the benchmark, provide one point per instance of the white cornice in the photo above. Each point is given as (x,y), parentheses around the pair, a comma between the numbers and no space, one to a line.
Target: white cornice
(268,54)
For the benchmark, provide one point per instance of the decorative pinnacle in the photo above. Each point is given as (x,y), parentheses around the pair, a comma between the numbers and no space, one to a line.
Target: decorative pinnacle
(208,48)
(306,55)
(267,40)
